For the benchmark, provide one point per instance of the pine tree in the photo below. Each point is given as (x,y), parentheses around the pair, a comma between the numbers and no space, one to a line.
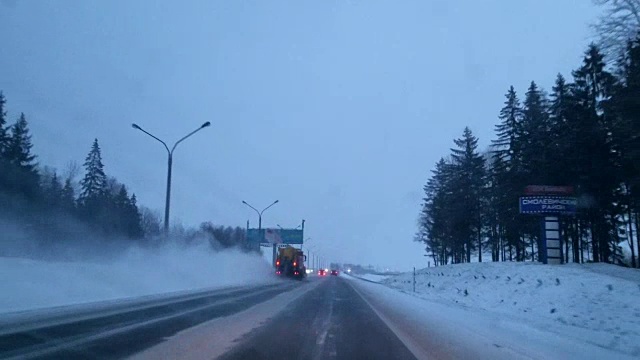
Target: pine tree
(94,183)
(435,219)
(20,175)
(67,198)
(598,177)
(494,211)
(134,219)
(510,177)
(95,204)
(4,137)
(560,134)
(535,133)
(468,166)
(5,171)
(626,134)
(561,165)
(54,192)
(509,131)
(18,150)
(536,155)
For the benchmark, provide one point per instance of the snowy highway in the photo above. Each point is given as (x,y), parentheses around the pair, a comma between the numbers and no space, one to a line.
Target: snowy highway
(331,322)
(319,318)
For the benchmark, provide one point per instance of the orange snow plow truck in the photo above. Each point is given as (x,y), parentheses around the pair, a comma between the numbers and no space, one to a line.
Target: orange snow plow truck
(290,263)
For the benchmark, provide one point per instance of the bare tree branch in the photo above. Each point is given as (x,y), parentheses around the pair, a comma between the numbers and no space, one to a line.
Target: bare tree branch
(71,171)
(619,23)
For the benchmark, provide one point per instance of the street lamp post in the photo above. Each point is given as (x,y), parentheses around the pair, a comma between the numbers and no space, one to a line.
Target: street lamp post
(260,223)
(313,255)
(307,239)
(169,166)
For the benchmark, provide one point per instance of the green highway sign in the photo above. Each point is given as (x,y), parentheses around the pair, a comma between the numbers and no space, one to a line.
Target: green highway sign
(255,236)
(275,236)
(291,236)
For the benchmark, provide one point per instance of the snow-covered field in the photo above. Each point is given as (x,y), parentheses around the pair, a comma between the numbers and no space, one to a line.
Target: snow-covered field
(597,304)
(31,284)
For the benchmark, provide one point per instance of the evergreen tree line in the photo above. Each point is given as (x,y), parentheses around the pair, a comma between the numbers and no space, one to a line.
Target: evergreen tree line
(55,209)
(584,134)
(29,192)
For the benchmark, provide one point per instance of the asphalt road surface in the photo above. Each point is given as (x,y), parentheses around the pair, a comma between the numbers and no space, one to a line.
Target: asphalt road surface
(331,321)
(319,318)
(114,332)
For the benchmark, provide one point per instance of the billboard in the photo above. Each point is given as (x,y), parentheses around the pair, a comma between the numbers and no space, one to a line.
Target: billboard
(548,205)
(548,190)
(275,236)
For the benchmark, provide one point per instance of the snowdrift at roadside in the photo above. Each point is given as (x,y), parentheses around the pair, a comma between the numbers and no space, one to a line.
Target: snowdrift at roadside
(596,303)
(31,284)
(371,277)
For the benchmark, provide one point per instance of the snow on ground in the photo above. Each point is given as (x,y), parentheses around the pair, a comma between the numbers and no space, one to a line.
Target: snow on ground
(594,303)
(31,284)
(371,277)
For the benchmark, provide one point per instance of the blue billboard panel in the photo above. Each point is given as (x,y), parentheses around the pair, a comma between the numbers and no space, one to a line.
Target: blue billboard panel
(563,205)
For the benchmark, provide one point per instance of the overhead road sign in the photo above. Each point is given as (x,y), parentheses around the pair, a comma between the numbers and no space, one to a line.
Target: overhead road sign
(275,236)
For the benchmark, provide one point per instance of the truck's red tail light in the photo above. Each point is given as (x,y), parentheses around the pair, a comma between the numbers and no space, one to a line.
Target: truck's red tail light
(295,263)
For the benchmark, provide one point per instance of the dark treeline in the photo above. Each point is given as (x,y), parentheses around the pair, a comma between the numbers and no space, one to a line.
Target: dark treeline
(44,208)
(226,236)
(585,133)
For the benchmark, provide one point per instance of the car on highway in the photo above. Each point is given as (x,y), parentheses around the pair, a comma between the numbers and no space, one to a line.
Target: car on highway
(334,272)
(322,272)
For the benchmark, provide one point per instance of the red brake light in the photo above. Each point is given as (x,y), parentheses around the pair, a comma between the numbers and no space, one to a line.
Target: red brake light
(295,263)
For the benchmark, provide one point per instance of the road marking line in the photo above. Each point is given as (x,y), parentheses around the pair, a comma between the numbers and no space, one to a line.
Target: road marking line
(326,324)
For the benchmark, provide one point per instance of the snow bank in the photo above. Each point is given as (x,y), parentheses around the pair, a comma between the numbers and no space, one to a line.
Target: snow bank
(595,303)
(371,277)
(31,284)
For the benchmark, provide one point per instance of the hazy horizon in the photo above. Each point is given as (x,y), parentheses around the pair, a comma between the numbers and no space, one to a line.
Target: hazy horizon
(338,109)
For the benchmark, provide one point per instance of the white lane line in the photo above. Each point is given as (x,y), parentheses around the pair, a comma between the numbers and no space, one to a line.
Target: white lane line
(318,352)
(325,326)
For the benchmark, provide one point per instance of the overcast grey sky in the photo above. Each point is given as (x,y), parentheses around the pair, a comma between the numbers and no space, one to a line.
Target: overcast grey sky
(337,108)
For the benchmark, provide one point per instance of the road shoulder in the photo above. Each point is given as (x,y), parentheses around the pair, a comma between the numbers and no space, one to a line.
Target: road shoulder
(437,331)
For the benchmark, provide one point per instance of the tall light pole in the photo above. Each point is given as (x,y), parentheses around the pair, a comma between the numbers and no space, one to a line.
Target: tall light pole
(307,239)
(170,163)
(312,256)
(260,223)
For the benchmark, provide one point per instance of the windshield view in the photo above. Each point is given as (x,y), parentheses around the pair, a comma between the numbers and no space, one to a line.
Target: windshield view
(305,179)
